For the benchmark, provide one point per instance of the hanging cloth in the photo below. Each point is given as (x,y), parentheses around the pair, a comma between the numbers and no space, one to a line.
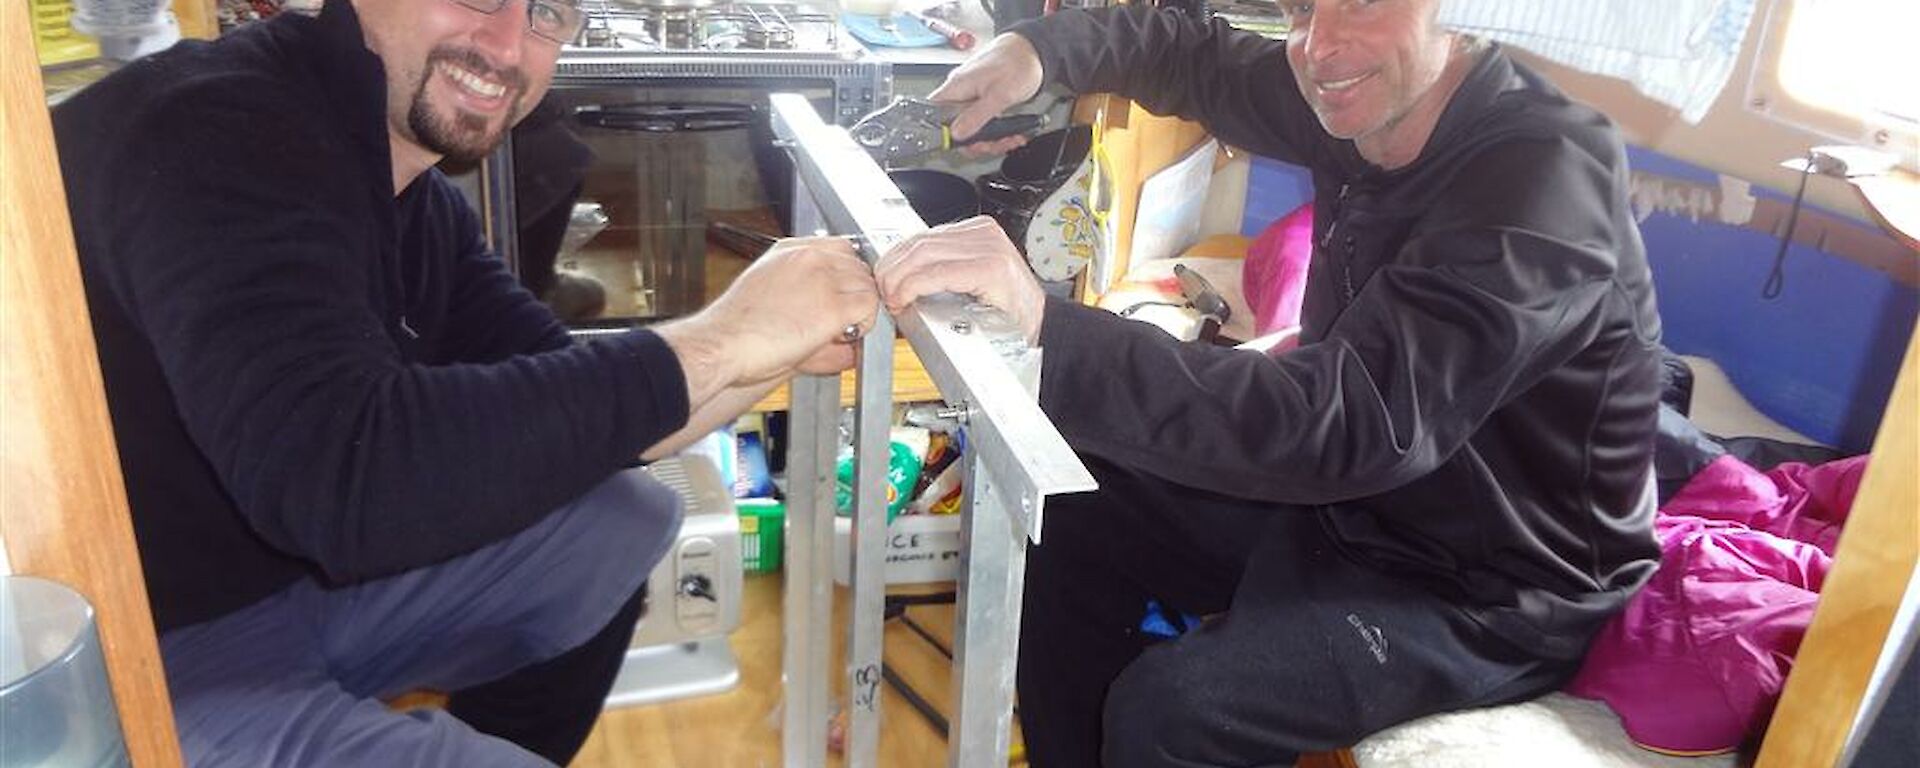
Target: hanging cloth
(1678,52)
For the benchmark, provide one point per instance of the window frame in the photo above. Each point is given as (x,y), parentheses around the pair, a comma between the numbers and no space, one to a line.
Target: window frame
(1768,96)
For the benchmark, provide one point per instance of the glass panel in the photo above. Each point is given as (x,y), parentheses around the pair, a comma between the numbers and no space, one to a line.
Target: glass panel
(1854,57)
(683,189)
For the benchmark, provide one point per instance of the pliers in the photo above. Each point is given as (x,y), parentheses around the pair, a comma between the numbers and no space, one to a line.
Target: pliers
(911,127)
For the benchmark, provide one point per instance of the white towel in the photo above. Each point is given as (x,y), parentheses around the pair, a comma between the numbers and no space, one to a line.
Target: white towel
(1678,52)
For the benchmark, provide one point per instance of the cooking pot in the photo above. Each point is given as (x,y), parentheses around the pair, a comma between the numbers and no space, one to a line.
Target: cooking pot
(939,197)
(1029,174)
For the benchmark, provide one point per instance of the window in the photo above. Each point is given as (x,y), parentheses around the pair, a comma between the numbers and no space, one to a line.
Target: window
(1844,68)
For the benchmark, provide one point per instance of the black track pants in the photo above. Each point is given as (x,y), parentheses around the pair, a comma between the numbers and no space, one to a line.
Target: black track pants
(1306,649)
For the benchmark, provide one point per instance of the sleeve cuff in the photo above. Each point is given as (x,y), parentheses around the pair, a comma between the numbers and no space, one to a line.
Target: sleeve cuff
(1067,328)
(1035,35)
(651,378)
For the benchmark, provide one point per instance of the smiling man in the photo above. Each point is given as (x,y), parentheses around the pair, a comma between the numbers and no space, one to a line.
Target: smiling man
(361,460)
(1433,502)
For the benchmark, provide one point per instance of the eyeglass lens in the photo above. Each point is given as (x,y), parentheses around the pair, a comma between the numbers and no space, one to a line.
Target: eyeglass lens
(555,20)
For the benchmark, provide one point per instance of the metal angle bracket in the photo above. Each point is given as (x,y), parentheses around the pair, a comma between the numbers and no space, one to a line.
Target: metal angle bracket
(965,347)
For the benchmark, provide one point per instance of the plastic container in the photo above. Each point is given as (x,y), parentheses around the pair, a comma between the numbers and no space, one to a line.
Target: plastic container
(56,707)
(53,35)
(762,527)
(127,29)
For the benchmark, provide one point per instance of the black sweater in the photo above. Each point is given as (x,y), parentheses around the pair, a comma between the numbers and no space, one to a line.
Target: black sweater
(308,375)
(1472,406)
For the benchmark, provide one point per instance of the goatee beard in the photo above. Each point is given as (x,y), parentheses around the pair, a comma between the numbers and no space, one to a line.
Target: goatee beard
(463,138)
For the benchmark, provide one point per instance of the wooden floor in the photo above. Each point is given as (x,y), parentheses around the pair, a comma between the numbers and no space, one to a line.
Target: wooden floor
(741,728)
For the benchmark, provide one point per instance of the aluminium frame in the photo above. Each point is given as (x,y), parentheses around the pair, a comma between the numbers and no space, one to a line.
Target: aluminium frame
(989,377)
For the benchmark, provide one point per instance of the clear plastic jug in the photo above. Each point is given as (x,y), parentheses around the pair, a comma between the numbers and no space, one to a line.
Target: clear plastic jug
(56,708)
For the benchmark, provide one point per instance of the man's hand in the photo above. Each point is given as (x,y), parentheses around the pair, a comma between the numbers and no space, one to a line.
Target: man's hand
(1001,75)
(972,257)
(787,313)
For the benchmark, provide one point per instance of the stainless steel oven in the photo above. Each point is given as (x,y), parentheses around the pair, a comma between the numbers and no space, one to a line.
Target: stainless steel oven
(670,99)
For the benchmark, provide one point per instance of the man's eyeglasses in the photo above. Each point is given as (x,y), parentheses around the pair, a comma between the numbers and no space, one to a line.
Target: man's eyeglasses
(556,20)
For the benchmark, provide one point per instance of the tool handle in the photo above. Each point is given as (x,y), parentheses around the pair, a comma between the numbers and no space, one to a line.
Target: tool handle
(1201,294)
(740,240)
(1004,126)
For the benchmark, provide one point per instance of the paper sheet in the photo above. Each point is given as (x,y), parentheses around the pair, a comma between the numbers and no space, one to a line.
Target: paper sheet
(1170,203)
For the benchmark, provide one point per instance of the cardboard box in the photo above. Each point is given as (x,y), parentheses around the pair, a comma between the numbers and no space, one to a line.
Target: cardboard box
(920,549)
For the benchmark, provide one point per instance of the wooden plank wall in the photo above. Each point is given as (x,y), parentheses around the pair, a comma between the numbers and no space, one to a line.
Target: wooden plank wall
(63,509)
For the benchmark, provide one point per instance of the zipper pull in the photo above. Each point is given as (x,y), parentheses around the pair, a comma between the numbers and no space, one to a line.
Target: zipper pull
(1326,242)
(1346,271)
(1339,207)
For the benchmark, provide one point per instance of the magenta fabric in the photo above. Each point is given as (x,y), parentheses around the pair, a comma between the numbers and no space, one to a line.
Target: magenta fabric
(1697,660)
(1274,276)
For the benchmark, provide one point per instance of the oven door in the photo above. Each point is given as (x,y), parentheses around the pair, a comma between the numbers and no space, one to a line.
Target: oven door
(684,188)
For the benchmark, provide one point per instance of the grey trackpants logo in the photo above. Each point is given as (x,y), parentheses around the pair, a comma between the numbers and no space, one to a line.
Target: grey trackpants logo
(1375,639)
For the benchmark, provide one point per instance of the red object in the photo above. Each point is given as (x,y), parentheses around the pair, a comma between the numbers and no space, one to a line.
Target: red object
(960,39)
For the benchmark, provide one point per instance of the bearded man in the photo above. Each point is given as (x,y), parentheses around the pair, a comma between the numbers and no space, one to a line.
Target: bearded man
(361,459)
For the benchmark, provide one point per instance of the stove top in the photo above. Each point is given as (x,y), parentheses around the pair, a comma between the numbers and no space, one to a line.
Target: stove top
(780,28)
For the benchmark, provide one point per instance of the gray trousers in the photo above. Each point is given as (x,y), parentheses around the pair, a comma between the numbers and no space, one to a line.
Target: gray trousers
(299,678)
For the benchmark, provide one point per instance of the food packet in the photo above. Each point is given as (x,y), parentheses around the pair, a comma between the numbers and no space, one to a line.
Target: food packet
(907,448)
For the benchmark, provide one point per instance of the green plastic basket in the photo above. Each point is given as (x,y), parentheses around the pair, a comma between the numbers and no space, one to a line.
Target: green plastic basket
(761,524)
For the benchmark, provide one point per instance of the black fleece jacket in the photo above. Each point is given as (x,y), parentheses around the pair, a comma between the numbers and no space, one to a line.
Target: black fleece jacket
(308,375)
(1472,405)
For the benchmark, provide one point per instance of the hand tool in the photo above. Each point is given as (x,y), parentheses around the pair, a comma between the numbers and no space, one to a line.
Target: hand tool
(911,127)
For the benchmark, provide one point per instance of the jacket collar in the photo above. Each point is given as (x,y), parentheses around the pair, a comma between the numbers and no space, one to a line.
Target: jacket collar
(1491,76)
(352,76)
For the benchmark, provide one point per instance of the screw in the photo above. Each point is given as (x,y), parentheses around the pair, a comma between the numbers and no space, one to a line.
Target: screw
(1882,136)
(962,326)
(960,412)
